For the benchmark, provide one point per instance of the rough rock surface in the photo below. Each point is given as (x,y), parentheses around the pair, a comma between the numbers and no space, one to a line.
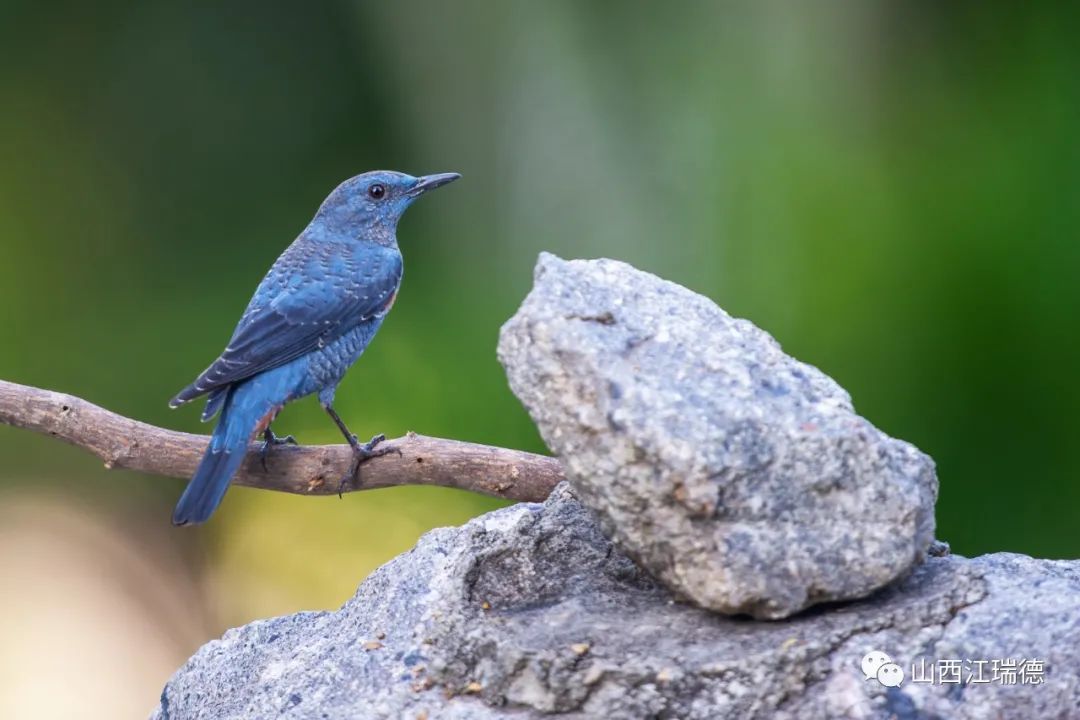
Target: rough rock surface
(740,477)
(530,610)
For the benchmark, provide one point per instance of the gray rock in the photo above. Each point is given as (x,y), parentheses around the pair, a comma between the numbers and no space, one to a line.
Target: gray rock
(740,477)
(530,610)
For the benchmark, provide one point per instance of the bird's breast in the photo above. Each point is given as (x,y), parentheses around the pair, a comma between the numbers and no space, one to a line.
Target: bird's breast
(327,365)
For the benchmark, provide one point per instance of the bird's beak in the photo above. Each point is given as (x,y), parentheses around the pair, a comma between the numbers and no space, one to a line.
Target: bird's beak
(430,182)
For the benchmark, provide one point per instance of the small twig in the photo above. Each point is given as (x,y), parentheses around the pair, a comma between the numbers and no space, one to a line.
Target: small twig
(306,470)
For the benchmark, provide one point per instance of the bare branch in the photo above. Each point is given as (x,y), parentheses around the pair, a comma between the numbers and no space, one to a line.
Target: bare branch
(305,470)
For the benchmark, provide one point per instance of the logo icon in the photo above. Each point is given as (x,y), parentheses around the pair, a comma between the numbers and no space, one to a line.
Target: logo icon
(890,675)
(876,665)
(872,661)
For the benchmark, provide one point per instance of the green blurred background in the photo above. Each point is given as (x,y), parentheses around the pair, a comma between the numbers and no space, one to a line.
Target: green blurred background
(889,188)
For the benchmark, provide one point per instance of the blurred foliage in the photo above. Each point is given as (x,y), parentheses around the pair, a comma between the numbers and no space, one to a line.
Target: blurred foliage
(890,188)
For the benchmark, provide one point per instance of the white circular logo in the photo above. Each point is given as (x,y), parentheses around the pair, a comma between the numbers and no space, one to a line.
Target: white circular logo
(872,662)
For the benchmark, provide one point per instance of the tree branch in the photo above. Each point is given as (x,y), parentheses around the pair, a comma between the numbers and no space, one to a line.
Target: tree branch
(305,470)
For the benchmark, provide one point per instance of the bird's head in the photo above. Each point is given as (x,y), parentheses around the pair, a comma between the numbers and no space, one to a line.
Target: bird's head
(375,201)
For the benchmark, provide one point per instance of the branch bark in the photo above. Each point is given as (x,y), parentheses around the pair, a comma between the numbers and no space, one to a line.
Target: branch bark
(305,470)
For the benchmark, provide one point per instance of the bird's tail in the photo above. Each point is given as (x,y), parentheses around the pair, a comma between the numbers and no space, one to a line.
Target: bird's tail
(244,411)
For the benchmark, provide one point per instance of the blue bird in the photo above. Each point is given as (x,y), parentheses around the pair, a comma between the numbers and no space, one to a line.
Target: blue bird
(311,318)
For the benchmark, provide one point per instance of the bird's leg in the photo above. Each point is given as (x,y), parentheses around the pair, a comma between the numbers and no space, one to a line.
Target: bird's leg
(361,451)
(269,440)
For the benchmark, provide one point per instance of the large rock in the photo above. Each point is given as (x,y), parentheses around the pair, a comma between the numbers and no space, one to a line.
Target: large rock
(530,610)
(740,477)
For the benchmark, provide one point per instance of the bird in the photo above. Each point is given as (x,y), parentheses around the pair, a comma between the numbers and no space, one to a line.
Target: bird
(310,319)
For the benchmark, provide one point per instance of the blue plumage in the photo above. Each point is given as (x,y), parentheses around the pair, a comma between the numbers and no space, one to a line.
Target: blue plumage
(310,319)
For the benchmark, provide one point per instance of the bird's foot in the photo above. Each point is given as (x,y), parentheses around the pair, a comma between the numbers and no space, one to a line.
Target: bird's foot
(362,452)
(269,441)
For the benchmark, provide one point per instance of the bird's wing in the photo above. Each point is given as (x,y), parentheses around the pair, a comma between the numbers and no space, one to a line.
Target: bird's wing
(302,304)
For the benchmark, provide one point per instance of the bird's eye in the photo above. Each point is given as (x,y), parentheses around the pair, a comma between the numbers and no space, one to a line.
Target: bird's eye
(376,191)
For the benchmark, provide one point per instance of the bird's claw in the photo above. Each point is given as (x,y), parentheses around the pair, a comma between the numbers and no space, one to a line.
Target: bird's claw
(363,453)
(269,441)
(368,447)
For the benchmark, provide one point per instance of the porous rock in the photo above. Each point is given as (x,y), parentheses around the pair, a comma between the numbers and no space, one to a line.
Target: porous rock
(530,611)
(740,477)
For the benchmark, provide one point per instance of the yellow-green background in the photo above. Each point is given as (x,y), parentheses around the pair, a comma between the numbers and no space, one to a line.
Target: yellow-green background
(890,188)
